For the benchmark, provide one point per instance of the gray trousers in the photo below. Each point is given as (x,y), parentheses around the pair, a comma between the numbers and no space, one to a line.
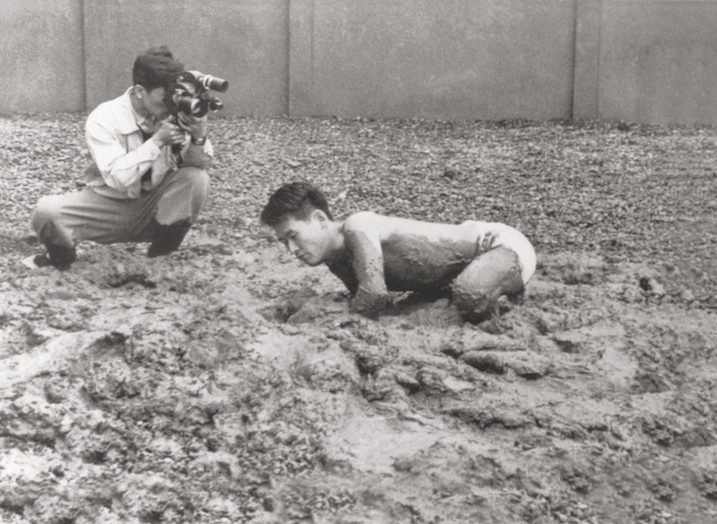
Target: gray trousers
(59,220)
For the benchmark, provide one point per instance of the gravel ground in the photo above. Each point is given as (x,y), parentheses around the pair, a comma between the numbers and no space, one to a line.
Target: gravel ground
(228,383)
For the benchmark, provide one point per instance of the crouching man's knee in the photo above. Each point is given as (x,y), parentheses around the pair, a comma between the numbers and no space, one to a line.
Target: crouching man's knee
(195,182)
(47,223)
(48,210)
(194,178)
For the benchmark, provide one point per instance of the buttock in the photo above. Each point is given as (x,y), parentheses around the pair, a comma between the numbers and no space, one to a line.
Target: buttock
(491,235)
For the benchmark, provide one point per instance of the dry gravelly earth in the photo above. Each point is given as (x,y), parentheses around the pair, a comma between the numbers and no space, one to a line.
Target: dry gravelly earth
(227,383)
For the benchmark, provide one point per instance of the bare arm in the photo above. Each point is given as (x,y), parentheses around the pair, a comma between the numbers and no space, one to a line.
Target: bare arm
(363,240)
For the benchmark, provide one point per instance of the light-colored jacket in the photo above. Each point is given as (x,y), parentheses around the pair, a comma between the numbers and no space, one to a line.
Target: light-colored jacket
(120,156)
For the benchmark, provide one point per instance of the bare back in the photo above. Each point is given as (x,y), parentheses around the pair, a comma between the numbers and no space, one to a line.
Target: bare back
(398,254)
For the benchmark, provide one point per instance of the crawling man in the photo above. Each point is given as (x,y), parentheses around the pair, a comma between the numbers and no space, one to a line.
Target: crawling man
(478,262)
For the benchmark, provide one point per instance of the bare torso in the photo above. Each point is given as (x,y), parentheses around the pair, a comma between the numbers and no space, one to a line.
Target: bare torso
(426,259)
(396,254)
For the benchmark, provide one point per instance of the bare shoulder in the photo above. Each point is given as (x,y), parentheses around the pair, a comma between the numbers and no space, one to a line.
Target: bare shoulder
(366,227)
(363,221)
(386,227)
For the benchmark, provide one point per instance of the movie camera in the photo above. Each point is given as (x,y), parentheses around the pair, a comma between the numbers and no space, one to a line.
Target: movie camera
(190,94)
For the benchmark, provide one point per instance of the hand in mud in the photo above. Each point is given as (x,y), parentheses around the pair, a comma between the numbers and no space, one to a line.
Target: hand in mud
(370,306)
(168,133)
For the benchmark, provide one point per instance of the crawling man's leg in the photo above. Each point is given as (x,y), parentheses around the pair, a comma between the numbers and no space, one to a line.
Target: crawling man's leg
(493,274)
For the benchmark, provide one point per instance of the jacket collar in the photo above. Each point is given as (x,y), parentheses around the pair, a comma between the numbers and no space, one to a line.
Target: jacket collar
(129,118)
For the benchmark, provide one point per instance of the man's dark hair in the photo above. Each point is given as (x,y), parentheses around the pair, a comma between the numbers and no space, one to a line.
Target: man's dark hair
(298,200)
(156,67)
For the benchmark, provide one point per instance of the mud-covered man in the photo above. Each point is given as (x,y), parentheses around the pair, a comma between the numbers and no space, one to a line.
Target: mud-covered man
(477,262)
(147,179)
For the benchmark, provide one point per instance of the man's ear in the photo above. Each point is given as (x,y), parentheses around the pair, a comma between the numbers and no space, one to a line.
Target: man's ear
(319,216)
(140,91)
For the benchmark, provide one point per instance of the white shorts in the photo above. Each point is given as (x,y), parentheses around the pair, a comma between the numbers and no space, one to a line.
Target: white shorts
(495,234)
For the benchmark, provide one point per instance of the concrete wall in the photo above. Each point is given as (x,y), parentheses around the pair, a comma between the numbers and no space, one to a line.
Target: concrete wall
(649,61)
(658,61)
(245,42)
(453,59)
(41,56)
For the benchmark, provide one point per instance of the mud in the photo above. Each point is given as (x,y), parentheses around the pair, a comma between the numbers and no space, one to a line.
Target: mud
(242,390)
(227,383)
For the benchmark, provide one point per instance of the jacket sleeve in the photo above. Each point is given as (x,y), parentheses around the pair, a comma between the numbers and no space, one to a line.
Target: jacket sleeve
(198,156)
(119,167)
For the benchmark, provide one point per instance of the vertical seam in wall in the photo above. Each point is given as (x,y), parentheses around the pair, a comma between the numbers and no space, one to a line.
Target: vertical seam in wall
(84,53)
(597,58)
(287,75)
(571,109)
(312,50)
(300,76)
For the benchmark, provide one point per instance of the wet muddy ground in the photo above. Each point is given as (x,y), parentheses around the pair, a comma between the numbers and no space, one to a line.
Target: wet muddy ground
(228,383)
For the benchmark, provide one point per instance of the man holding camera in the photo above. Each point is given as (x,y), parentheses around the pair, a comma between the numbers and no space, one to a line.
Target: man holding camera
(147,181)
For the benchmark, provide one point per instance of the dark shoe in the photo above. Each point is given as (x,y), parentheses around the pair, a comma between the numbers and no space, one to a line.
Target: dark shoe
(61,256)
(38,261)
(166,239)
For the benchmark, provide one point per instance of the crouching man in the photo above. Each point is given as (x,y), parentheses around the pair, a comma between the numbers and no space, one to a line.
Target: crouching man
(478,262)
(147,181)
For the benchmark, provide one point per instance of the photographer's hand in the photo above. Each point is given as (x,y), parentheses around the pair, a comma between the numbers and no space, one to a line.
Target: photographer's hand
(195,126)
(168,133)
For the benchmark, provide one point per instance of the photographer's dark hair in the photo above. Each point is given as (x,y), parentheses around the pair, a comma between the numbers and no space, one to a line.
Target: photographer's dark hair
(297,199)
(156,67)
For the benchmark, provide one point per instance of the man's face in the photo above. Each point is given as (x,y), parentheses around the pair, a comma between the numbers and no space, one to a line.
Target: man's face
(307,239)
(154,103)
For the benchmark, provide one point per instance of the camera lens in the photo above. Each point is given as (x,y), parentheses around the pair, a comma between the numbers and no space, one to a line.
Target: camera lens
(216,84)
(188,104)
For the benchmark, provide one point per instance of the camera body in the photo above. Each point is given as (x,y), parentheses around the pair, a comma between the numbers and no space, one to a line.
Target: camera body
(190,94)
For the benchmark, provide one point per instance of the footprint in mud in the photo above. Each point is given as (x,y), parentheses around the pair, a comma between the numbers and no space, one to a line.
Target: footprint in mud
(305,306)
(526,364)
(121,277)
